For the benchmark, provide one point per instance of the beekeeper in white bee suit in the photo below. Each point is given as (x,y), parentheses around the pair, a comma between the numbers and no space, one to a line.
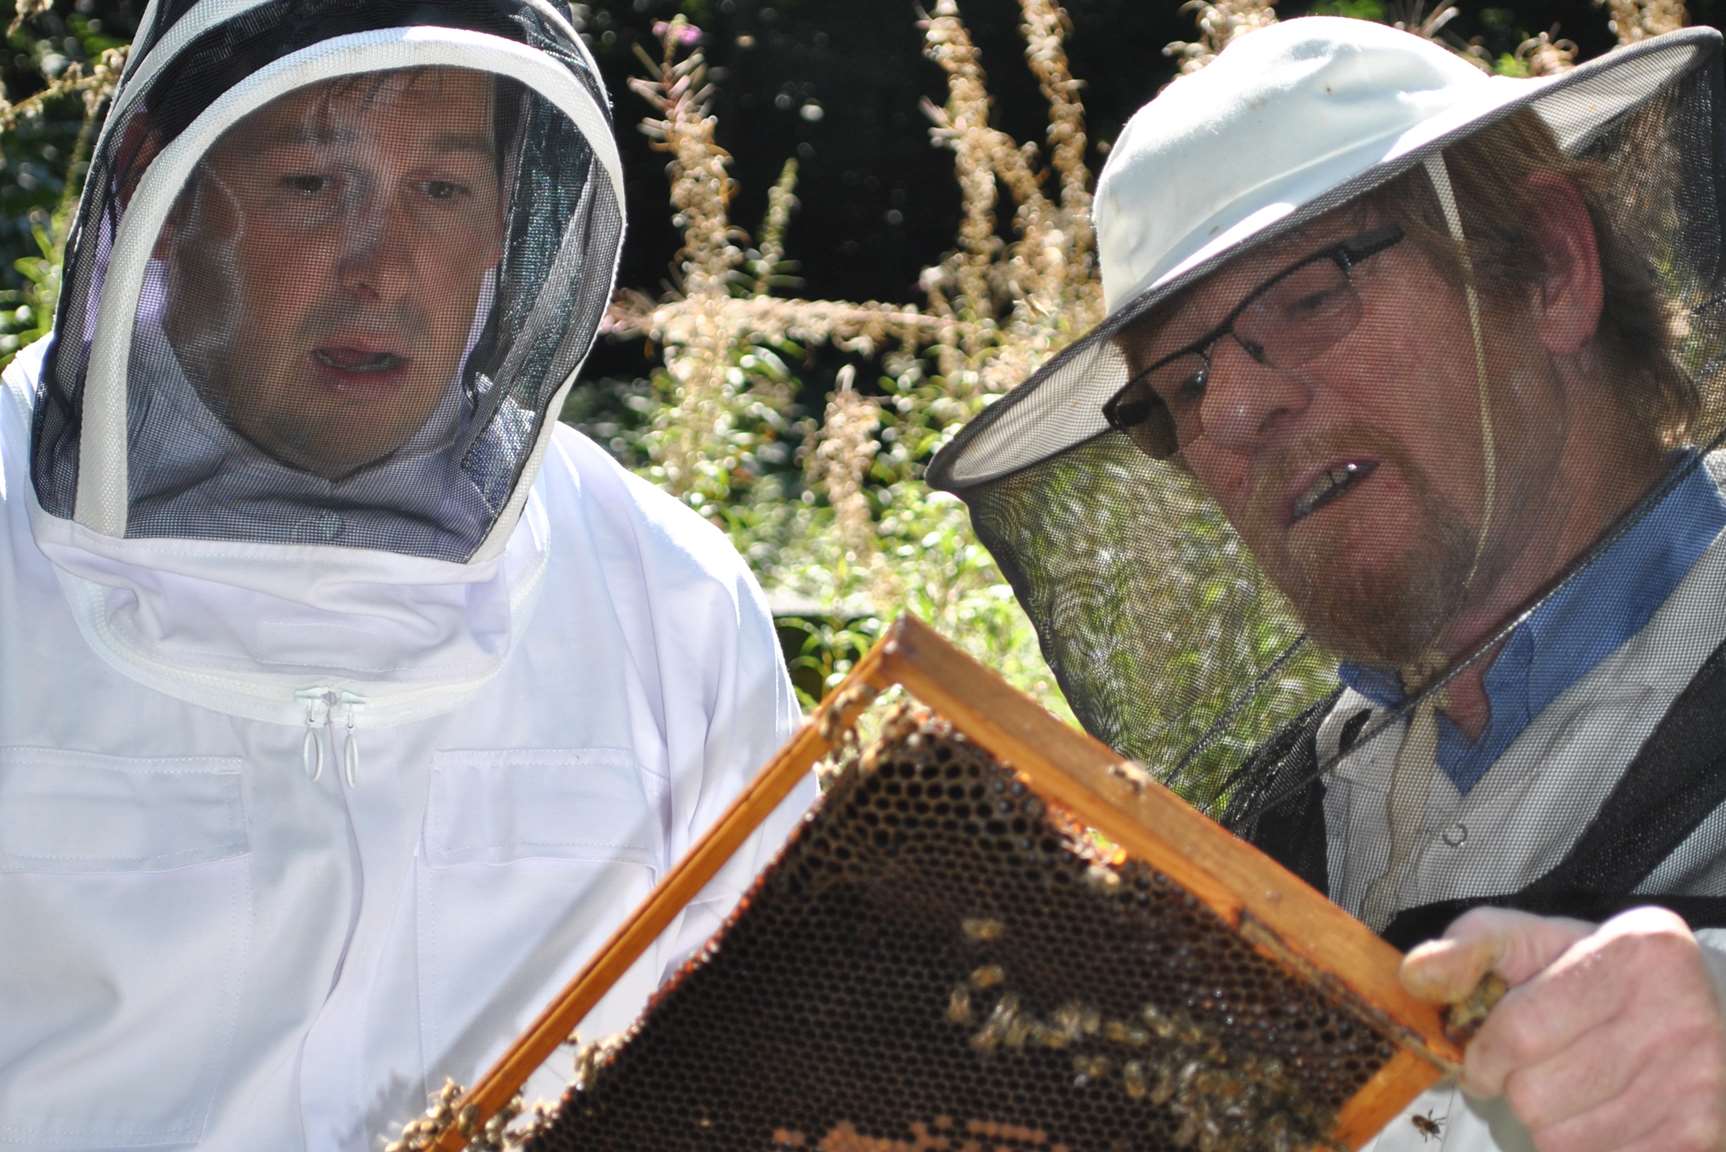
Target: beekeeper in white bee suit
(1382,517)
(347,701)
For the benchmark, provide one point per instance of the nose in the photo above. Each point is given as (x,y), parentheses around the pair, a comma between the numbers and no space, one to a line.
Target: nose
(1246,400)
(377,258)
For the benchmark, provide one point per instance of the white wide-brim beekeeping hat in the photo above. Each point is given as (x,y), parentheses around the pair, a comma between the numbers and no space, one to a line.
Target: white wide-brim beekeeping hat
(1288,122)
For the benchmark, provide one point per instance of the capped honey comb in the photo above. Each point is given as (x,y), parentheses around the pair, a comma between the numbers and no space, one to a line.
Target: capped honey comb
(944,957)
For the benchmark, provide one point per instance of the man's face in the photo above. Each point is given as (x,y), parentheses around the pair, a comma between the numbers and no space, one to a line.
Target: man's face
(1358,477)
(325,264)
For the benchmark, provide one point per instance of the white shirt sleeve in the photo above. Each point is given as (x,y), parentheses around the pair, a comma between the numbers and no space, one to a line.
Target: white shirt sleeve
(755,715)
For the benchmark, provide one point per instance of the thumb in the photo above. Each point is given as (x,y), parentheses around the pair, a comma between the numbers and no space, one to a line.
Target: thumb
(1516,945)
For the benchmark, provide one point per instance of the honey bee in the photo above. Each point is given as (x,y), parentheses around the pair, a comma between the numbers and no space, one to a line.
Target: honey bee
(987,976)
(959,1005)
(1159,1024)
(1101,878)
(982,930)
(1276,1134)
(1088,1068)
(1164,1089)
(1068,1021)
(1429,1126)
(995,1028)
(592,1058)
(1048,1036)
(1090,1020)
(1121,1032)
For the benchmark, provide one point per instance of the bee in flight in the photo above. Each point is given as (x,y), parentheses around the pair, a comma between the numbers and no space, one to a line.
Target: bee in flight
(1429,1127)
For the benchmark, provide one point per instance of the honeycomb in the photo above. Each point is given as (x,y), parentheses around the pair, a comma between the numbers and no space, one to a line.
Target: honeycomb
(939,962)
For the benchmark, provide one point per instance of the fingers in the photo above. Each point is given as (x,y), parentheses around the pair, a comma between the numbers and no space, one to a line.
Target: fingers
(1676,1135)
(1612,1039)
(1660,1110)
(1525,944)
(1589,1077)
(1446,971)
(1613,1126)
(1544,1015)
(1516,945)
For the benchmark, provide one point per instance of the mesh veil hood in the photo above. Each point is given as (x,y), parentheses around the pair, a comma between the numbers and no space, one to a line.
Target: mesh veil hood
(335,267)
(1223,617)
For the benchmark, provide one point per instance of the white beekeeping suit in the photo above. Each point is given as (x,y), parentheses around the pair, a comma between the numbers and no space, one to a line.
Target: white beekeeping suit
(347,701)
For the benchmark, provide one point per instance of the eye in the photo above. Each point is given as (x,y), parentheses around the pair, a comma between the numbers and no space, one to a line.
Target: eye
(1181,385)
(1315,303)
(306,183)
(446,190)
(1309,292)
(1189,390)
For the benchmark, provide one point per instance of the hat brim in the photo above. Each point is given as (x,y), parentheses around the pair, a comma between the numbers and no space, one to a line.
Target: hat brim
(1060,405)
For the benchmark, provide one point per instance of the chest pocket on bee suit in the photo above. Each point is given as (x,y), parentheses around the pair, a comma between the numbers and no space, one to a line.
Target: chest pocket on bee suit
(531,859)
(125,892)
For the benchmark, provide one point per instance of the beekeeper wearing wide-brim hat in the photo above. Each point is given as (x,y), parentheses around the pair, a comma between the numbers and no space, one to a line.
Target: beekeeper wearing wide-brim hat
(1379,517)
(348,701)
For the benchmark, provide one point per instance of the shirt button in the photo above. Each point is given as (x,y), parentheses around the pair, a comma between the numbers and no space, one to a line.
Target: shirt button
(1456,835)
(325,526)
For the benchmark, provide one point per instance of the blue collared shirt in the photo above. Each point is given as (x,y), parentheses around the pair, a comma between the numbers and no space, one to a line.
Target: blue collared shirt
(1576,627)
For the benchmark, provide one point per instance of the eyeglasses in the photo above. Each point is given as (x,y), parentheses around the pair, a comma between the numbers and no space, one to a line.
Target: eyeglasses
(1283,323)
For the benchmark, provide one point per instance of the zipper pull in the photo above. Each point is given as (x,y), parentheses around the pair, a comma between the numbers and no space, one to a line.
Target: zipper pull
(352,702)
(317,715)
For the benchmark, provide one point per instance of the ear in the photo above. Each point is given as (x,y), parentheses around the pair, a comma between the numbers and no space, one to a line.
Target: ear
(139,145)
(1571,291)
(165,238)
(177,214)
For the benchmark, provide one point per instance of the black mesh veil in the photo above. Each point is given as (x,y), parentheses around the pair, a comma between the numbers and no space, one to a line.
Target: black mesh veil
(1399,549)
(334,264)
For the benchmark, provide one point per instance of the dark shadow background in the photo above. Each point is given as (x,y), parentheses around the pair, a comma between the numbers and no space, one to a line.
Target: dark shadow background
(834,83)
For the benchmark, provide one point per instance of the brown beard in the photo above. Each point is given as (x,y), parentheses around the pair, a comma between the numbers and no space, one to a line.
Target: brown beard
(1389,614)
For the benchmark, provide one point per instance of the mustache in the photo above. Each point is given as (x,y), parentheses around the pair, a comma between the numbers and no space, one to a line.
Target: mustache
(1391,614)
(1268,495)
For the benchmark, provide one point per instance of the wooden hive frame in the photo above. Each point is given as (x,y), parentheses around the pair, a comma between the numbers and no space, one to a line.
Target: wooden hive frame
(1277,913)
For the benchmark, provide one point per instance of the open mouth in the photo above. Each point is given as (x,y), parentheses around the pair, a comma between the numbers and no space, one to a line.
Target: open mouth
(358,361)
(1330,485)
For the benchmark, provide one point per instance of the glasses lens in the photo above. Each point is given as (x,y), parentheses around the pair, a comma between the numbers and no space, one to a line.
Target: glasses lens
(1137,411)
(1178,387)
(1300,315)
